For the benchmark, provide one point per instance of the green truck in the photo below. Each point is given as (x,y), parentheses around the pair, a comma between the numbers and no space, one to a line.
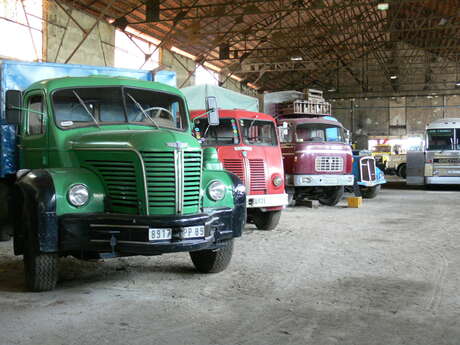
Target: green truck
(108,167)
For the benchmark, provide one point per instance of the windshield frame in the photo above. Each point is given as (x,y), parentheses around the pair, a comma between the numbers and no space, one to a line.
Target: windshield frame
(254,120)
(327,125)
(453,146)
(182,105)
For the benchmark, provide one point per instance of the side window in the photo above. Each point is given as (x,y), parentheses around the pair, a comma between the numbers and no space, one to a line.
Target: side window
(35,125)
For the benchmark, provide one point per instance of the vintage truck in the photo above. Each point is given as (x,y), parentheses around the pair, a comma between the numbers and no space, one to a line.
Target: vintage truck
(107,167)
(247,144)
(368,177)
(439,160)
(317,159)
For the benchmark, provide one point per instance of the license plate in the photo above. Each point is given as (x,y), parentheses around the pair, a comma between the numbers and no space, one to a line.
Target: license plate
(160,234)
(257,201)
(193,231)
(330,180)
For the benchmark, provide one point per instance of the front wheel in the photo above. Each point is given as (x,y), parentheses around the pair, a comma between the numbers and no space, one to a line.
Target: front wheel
(267,220)
(331,196)
(40,269)
(402,171)
(370,192)
(213,261)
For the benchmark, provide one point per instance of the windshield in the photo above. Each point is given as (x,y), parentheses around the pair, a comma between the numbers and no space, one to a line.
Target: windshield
(82,107)
(224,134)
(440,139)
(319,132)
(256,132)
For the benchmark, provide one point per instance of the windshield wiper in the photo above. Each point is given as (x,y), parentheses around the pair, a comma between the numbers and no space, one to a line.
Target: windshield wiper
(143,111)
(86,108)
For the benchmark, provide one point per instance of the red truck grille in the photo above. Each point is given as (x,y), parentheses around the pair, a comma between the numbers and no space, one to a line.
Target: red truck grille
(235,166)
(328,163)
(257,168)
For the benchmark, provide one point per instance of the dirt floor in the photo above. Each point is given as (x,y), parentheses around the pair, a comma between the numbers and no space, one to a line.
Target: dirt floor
(387,273)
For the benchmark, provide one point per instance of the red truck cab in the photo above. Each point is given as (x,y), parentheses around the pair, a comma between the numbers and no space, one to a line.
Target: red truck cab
(248,146)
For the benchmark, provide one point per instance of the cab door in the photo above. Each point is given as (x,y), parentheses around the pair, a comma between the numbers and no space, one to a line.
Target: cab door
(33,141)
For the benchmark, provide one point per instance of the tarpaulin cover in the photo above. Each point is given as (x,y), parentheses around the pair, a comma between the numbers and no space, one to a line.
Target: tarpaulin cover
(7,150)
(273,98)
(226,99)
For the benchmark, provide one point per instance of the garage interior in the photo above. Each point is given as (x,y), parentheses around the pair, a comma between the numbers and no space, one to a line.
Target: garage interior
(384,273)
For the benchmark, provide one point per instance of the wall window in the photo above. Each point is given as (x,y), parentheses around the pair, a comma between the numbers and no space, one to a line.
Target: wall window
(206,76)
(128,54)
(24,25)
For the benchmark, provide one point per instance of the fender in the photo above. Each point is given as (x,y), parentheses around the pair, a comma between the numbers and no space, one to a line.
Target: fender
(38,187)
(239,198)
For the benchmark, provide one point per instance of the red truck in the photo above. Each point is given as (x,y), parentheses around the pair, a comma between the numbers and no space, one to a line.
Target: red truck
(247,145)
(318,162)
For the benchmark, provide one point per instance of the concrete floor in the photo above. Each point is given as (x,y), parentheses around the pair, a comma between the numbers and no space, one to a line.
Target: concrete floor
(387,273)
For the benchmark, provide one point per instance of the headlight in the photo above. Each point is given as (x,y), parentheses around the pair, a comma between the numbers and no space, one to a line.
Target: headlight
(277,180)
(216,190)
(78,195)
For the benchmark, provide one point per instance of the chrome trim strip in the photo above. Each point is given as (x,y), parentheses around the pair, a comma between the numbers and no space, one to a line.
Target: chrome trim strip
(141,160)
(119,226)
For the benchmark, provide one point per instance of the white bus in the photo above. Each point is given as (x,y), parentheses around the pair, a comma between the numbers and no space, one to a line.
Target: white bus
(439,161)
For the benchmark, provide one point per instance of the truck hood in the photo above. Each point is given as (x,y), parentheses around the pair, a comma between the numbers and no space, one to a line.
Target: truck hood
(141,140)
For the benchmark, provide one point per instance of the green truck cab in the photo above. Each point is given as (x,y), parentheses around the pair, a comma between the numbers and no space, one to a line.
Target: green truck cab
(108,167)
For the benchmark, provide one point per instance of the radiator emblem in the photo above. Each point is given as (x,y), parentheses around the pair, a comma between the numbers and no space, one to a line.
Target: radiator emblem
(177,145)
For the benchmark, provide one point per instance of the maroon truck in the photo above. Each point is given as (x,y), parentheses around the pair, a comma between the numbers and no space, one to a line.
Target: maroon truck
(318,161)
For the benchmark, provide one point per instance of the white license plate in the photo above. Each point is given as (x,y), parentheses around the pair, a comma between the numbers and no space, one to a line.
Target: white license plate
(257,201)
(330,180)
(160,234)
(193,231)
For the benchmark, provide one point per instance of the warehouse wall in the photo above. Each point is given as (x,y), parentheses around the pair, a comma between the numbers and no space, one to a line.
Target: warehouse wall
(170,61)
(62,36)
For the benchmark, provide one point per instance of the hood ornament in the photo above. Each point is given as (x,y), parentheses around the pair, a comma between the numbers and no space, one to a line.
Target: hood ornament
(177,145)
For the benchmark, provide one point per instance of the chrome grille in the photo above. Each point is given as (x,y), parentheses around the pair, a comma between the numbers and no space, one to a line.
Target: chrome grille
(367,168)
(192,178)
(328,163)
(257,173)
(235,166)
(120,182)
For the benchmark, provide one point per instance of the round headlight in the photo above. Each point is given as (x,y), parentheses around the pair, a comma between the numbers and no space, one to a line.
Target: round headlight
(216,190)
(78,195)
(277,180)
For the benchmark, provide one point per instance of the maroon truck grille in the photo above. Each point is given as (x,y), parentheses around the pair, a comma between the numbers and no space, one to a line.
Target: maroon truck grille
(235,166)
(257,168)
(367,169)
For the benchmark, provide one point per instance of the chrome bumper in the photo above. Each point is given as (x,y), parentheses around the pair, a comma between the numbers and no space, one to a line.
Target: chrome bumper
(319,180)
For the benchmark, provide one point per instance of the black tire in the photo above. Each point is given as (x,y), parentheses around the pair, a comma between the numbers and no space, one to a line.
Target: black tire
(332,196)
(370,192)
(291,200)
(40,269)
(402,170)
(267,220)
(213,261)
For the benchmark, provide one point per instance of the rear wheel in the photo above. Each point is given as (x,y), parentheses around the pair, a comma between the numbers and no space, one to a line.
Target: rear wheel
(213,261)
(331,196)
(267,220)
(370,192)
(40,269)
(402,171)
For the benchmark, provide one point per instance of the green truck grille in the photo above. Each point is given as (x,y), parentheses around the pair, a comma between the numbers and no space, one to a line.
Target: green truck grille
(173,181)
(120,182)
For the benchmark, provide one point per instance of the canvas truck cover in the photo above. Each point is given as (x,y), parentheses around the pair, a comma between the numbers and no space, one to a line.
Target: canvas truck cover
(226,99)
(15,75)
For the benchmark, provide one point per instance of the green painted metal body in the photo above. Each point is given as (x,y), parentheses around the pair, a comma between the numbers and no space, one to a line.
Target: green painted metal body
(112,160)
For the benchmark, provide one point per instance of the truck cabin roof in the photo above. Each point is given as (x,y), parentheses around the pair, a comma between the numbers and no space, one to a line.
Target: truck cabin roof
(236,113)
(102,81)
(445,123)
(312,120)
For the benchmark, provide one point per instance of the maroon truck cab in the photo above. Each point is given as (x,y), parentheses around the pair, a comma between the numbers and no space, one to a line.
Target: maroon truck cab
(318,162)
(248,146)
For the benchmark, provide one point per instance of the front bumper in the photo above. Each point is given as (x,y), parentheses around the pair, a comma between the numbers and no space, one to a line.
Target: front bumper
(266,200)
(121,234)
(442,180)
(319,180)
(371,183)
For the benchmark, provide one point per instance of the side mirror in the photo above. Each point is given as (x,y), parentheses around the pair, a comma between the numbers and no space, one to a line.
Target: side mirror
(213,112)
(13,107)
